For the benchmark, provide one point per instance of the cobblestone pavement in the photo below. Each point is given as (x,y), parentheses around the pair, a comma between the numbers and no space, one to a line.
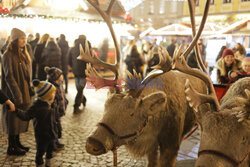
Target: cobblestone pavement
(76,128)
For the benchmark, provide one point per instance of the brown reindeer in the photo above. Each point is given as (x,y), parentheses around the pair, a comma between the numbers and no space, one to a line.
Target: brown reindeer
(144,118)
(225,128)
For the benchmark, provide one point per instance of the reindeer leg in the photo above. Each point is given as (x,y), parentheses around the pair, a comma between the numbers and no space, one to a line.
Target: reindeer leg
(153,157)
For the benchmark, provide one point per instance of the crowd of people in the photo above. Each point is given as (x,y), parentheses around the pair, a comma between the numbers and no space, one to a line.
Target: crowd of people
(44,62)
(232,64)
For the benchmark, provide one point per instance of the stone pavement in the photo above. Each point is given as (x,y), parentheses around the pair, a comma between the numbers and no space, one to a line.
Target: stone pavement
(76,128)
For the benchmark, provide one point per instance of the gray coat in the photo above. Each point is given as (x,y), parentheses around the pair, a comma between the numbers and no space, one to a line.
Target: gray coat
(16,77)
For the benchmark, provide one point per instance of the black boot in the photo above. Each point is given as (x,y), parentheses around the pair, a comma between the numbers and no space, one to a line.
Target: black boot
(84,100)
(18,144)
(13,149)
(77,110)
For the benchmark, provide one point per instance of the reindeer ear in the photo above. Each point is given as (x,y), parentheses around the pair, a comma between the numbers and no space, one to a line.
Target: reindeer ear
(152,104)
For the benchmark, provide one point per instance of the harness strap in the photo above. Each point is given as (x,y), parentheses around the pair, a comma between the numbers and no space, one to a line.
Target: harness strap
(224,156)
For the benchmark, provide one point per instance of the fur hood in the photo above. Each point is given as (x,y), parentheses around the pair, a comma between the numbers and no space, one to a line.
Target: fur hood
(221,66)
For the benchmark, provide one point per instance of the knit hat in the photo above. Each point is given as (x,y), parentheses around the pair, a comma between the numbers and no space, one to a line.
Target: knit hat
(248,54)
(43,89)
(227,52)
(53,73)
(16,33)
(246,61)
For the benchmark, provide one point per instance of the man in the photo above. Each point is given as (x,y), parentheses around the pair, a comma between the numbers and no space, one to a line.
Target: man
(78,68)
(63,44)
(171,47)
(191,59)
(34,42)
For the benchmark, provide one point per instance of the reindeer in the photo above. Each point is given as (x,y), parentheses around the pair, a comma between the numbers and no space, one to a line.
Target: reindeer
(225,128)
(143,119)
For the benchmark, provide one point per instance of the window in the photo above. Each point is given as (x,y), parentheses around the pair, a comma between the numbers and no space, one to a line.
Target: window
(197,2)
(227,1)
(151,8)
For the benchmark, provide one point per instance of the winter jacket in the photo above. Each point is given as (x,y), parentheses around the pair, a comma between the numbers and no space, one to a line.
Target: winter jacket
(240,74)
(16,78)
(60,103)
(134,61)
(52,55)
(64,46)
(171,49)
(43,119)
(192,62)
(223,70)
(34,43)
(78,66)
(3,97)
(39,62)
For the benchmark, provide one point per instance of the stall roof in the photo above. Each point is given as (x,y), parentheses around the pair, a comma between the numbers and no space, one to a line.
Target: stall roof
(146,32)
(210,29)
(173,29)
(38,7)
(241,27)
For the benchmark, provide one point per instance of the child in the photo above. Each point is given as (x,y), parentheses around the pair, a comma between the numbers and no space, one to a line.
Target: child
(244,72)
(43,121)
(55,76)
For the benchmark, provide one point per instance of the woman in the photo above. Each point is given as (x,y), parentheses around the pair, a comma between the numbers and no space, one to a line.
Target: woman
(225,64)
(52,55)
(38,63)
(239,51)
(16,77)
(220,53)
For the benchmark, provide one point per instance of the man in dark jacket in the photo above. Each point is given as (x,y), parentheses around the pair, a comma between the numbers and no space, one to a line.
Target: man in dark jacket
(63,44)
(191,59)
(78,68)
(34,42)
(171,47)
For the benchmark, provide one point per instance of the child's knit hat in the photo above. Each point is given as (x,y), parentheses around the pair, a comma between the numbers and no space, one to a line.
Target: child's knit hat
(43,89)
(53,73)
(246,61)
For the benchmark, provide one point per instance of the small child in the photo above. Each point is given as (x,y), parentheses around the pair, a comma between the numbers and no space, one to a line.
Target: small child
(55,76)
(43,121)
(244,72)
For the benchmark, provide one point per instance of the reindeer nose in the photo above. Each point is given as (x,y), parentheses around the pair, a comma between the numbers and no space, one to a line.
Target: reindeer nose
(94,147)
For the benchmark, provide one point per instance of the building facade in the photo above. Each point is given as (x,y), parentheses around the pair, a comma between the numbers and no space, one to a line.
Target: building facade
(220,11)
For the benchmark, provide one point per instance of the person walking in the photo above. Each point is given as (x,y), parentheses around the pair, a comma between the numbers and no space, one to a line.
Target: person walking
(38,66)
(16,78)
(64,46)
(78,68)
(52,56)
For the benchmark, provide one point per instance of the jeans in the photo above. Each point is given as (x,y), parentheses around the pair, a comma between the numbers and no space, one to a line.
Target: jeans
(80,98)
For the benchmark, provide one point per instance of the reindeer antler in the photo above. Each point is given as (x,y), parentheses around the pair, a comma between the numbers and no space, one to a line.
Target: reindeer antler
(197,36)
(164,66)
(196,99)
(191,4)
(86,56)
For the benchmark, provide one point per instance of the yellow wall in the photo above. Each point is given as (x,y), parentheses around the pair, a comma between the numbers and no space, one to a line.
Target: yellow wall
(219,7)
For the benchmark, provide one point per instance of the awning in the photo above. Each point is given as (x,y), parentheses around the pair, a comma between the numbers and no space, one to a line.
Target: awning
(173,29)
